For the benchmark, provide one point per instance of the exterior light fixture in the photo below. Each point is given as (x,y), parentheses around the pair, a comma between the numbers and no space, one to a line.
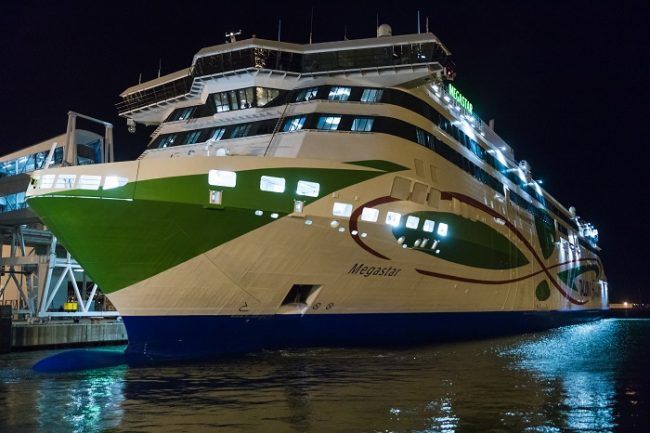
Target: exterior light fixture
(216,197)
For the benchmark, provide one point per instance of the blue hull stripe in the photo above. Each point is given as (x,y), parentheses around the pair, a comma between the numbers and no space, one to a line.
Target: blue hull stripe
(166,338)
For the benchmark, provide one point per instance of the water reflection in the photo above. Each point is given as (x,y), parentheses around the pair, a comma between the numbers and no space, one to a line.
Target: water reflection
(580,361)
(90,402)
(582,378)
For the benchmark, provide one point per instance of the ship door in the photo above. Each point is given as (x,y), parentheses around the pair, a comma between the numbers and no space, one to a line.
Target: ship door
(299,298)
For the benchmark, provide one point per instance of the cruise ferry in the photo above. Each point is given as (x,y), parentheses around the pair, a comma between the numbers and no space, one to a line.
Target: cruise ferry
(341,193)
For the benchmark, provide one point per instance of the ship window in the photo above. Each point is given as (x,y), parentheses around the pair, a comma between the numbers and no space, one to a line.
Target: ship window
(328,122)
(371,95)
(393,218)
(310,189)
(264,95)
(221,102)
(342,209)
(272,184)
(294,124)
(370,214)
(401,188)
(339,93)
(419,194)
(167,141)
(307,94)
(443,229)
(222,178)
(217,133)
(47,180)
(420,136)
(233,100)
(114,182)
(182,113)
(245,97)
(87,181)
(412,222)
(192,137)
(65,181)
(363,124)
(241,130)
(428,226)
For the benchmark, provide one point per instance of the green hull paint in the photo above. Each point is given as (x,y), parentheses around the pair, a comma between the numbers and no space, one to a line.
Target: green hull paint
(169,220)
(387,166)
(543,291)
(469,243)
(546,235)
(121,242)
(569,276)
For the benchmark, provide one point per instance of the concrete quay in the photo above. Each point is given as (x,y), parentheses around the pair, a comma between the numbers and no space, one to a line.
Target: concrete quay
(26,336)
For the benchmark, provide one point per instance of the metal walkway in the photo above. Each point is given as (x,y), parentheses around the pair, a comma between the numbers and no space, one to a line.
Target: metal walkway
(39,278)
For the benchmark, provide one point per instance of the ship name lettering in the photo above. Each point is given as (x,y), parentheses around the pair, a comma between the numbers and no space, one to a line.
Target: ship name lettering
(376,271)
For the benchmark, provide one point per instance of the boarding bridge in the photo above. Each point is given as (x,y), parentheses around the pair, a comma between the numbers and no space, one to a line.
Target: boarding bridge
(39,278)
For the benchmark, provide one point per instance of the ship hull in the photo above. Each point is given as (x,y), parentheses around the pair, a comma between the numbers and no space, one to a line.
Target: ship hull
(179,338)
(197,279)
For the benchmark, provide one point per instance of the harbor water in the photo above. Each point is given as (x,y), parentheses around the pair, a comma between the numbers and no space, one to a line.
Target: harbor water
(584,378)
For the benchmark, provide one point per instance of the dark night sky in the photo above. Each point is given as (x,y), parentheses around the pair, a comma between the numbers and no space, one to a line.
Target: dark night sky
(568,82)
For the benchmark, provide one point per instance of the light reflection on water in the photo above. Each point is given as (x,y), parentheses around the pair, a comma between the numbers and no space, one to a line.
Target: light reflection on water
(582,378)
(574,357)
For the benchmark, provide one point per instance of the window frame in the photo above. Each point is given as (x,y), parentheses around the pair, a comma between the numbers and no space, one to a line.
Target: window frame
(308,184)
(307,94)
(376,95)
(265,180)
(389,216)
(339,93)
(215,178)
(324,120)
(291,122)
(345,212)
(366,124)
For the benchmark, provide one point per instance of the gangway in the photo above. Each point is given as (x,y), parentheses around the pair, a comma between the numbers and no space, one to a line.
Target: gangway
(39,278)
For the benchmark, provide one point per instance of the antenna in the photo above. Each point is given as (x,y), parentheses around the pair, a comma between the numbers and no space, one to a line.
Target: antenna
(427,24)
(418,22)
(279,28)
(311,25)
(159,66)
(233,36)
(345,32)
(140,78)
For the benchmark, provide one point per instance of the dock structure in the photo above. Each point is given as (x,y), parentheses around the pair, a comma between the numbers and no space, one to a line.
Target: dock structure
(40,280)
(66,333)
(5,328)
